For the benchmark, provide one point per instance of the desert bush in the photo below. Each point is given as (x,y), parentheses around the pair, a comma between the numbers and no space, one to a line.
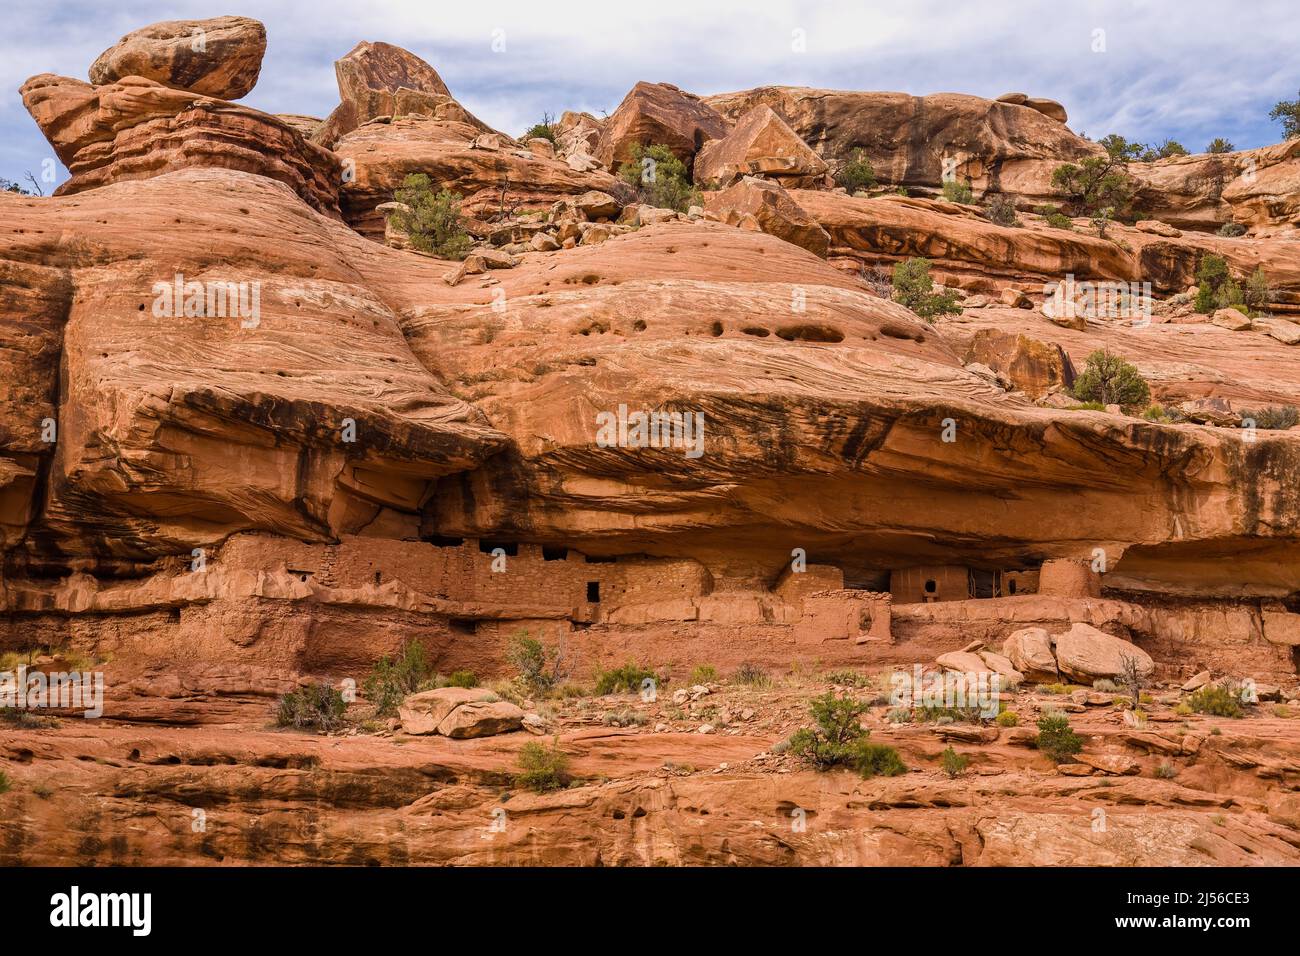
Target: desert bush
(433,222)
(953,763)
(1257,293)
(1288,112)
(1002,211)
(1108,379)
(1056,739)
(1230,230)
(1216,288)
(855,174)
(316,705)
(659,177)
(542,768)
(914,289)
(622,680)
(462,678)
(1053,216)
(704,674)
(1170,147)
(953,191)
(544,130)
(393,679)
(5,785)
(1273,417)
(1215,700)
(1008,718)
(751,675)
(1166,771)
(1101,221)
(838,739)
(1220,145)
(1099,181)
(540,669)
(848,678)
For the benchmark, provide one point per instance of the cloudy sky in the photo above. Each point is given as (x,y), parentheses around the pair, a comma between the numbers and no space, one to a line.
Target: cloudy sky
(1148,69)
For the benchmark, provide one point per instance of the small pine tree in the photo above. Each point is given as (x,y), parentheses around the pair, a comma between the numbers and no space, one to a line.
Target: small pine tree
(914,288)
(1109,380)
(1056,739)
(1288,112)
(1220,145)
(433,222)
(856,174)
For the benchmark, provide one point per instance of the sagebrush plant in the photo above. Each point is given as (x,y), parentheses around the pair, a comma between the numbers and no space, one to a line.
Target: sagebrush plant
(316,705)
(1002,210)
(704,674)
(1273,417)
(659,177)
(462,678)
(542,768)
(1230,230)
(392,679)
(839,739)
(751,675)
(958,192)
(623,680)
(1216,700)
(540,669)
(953,763)
(1053,216)
(1108,379)
(914,288)
(543,130)
(1056,738)
(433,222)
(856,173)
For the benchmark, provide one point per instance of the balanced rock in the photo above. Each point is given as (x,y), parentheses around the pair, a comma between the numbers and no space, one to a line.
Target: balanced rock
(772,209)
(658,113)
(763,144)
(221,57)
(458,712)
(1030,652)
(1085,653)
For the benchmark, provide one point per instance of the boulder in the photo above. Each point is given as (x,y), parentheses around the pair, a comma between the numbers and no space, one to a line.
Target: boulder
(1115,764)
(1210,411)
(1002,666)
(1231,319)
(770,208)
(762,144)
(220,57)
(380,79)
(963,662)
(1030,651)
(1084,654)
(1049,108)
(481,718)
(597,205)
(1288,333)
(1032,366)
(1158,228)
(422,713)
(660,114)
(1196,681)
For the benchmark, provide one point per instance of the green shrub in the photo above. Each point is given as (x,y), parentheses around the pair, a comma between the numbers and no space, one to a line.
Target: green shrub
(1220,145)
(1054,688)
(1002,211)
(856,174)
(1157,413)
(1170,147)
(542,768)
(1008,718)
(1108,379)
(4,782)
(848,678)
(704,674)
(954,191)
(544,130)
(1098,181)
(751,675)
(390,681)
(1257,293)
(953,763)
(433,223)
(316,705)
(1053,216)
(1274,417)
(1089,407)
(540,669)
(1166,771)
(1215,700)
(914,289)
(659,177)
(838,739)
(462,679)
(622,680)
(1230,230)
(1056,739)
(1288,111)
(1216,288)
